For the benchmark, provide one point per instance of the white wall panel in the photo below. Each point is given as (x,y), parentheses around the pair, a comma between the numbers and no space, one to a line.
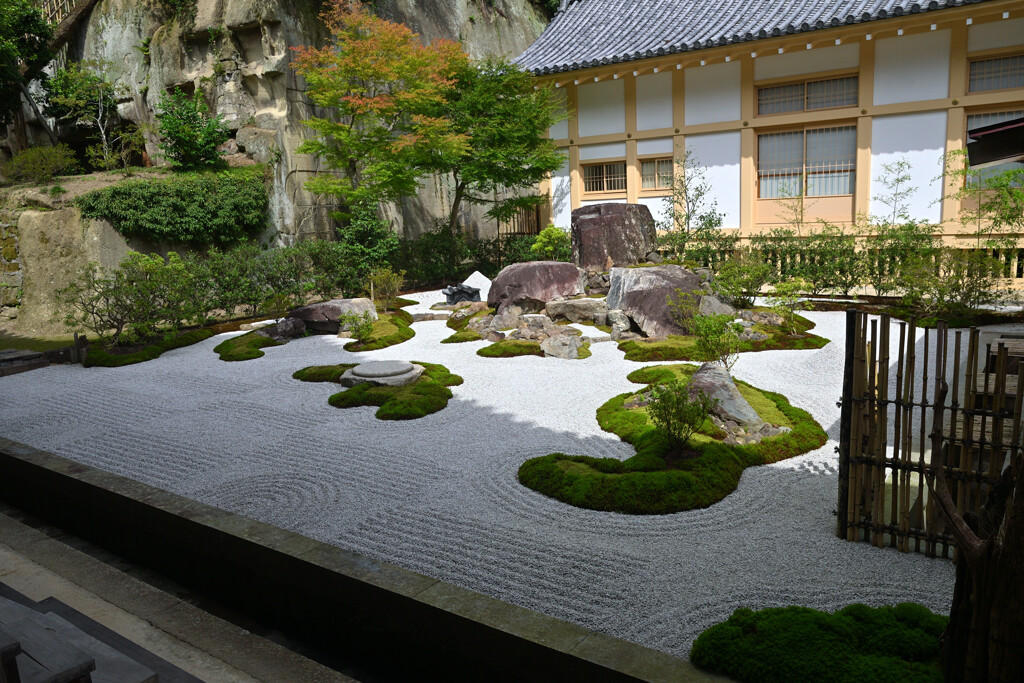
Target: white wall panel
(654,101)
(610,150)
(560,130)
(561,199)
(921,140)
(912,68)
(655,146)
(719,153)
(601,108)
(712,93)
(801,62)
(1005,33)
(591,202)
(659,207)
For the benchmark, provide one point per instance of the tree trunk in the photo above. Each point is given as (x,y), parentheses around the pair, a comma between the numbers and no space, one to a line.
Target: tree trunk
(453,217)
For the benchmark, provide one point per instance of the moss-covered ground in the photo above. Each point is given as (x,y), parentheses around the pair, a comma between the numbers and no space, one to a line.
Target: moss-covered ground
(679,347)
(462,334)
(25,343)
(655,480)
(389,329)
(244,347)
(97,356)
(510,348)
(428,394)
(796,644)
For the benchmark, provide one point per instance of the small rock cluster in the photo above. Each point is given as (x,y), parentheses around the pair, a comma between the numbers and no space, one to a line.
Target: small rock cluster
(319,318)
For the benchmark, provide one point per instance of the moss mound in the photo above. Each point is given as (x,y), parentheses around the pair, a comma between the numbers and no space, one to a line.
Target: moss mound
(461,333)
(510,348)
(655,482)
(677,347)
(100,357)
(244,347)
(428,394)
(856,644)
(462,336)
(389,329)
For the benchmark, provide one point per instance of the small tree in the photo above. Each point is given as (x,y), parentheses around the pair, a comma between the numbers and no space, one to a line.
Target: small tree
(683,307)
(692,214)
(785,299)
(80,94)
(894,247)
(717,339)
(190,134)
(678,412)
(742,277)
(385,284)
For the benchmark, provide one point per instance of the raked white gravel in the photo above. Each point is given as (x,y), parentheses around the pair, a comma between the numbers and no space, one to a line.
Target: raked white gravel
(439,495)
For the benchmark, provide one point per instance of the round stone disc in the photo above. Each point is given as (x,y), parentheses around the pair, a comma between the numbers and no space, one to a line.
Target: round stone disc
(382,368)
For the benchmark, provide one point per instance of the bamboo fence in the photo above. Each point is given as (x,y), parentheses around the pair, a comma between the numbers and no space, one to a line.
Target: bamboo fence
(944,400)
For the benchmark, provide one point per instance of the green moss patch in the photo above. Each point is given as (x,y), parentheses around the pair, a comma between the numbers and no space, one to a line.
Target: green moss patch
(389,329)
(510,348)
(678,347)
(654,481)
(462,336)
(97,356)
(428,394)
(857,643)
(584,351)
(244,347)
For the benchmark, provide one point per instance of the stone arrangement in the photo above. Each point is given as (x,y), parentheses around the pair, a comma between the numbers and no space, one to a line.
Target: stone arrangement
(382,373)
(320,318)
(612,234)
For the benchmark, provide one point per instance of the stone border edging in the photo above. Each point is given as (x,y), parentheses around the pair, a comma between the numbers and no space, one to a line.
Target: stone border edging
(317,590)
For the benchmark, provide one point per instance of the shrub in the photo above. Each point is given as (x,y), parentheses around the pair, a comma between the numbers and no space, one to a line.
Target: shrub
(198,209)
(367,242)
(717,339)
(857,643)
(385,283)
(361,326)
(741,277)
(683,306)
(782,250)
(954,282)
(434,257)
(891,251)
(98,357)
(40,164)
(331,268)
(190,135)
(552,244)
(785,299)
(674,411)
(831,261)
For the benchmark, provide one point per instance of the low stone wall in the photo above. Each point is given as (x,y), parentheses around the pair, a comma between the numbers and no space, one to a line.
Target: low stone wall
(11,274)
(419,627)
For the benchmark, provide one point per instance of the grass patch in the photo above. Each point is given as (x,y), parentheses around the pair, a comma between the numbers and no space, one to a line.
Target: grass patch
(857,643)
(654,481)
(389,329)
(244,347)
(97,356)
(428,394)
(584,351)
(678,347)
(510,348)
(462,336)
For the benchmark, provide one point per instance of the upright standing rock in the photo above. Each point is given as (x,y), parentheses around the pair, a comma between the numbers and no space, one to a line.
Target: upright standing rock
(621,233)
(642,294)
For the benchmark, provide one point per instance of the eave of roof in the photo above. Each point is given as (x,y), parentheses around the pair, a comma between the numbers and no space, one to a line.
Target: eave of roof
(592,33)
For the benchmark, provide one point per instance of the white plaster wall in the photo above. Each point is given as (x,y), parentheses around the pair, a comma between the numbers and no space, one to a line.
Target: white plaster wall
(561,198)
(912,68)
(719,153)
(655,146)
(601,108)
(560,130)
(591,202)
(995,34)
(802,61)
(712,93)
(921,140)
(654,101)
(610,150)
(659,207)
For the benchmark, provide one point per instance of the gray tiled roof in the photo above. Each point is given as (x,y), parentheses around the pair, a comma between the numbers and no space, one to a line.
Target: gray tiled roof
(588,33)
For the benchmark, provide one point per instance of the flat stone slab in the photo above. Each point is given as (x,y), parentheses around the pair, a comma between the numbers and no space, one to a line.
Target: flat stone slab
(19,355)
(392,373)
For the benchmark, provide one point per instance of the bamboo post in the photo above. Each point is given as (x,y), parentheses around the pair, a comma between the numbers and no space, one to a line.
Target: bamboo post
(897,454)
(845,413)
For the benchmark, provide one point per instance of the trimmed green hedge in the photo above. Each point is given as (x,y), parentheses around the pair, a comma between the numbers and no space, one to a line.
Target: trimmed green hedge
(653,483)
(199,209)
(428,394)
(244,347)
(677,347)
(97,356)
(796,644)
(389,329)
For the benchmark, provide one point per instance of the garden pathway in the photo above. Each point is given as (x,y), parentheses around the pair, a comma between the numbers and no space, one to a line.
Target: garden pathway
(439,495)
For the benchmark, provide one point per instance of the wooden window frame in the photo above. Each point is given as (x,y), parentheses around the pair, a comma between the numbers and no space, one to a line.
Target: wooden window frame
(988,56)
(804,174)
(815,78)
(604,163)
(657,176)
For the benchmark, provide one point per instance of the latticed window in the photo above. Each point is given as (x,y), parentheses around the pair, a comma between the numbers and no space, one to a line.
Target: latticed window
(609,177)
(808,96)
(989,119)
(656,174)
(997,73)
(816,162)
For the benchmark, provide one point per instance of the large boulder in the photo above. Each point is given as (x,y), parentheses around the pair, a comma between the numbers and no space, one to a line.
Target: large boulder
(642,294)
(712,305)
(325,317)
(716,382)
(619,234)
(563,346)
(579,310)
(532,284)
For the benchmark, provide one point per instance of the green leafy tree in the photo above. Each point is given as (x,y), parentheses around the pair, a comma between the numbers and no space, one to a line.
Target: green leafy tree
(80,94)
(785,299)
(831,261)
(190,135)
(742,277)
(383,88)
(717,339)
(385,284)
(991,203)
(678,412)
(503,118)
(552,244)
(692,214)
(24,51)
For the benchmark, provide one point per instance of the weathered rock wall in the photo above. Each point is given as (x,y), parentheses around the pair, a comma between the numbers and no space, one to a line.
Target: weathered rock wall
(238,53)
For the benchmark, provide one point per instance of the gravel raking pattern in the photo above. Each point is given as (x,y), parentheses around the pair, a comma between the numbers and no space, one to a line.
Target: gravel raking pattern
(439,495)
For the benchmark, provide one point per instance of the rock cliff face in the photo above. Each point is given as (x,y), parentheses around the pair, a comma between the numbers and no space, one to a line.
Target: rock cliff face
(238,53)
